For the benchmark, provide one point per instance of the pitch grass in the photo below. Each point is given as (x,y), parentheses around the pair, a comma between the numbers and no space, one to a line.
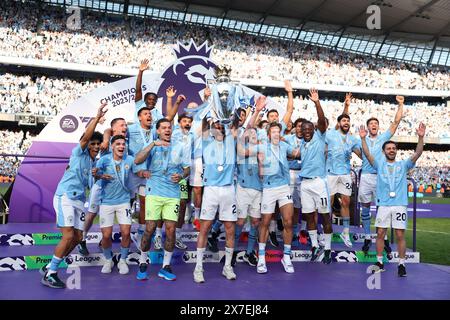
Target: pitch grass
(3,189)
(432,239)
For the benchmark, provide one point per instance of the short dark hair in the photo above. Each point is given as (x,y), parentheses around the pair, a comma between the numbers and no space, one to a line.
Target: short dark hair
(184,115)
(96,136)
(143,108)
(370,119)
(113,121)
(273,124)
(261,123)
(158,124)
(150,94)
(239,110)
(299,120)
(118,137)
(271,111)
(307,122)
(389,142)
(343,116)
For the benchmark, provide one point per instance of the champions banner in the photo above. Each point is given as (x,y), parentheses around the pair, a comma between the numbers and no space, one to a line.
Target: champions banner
(37,178)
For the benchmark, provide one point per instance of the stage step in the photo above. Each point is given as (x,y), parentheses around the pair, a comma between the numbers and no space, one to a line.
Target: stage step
(52,238)
(17,263)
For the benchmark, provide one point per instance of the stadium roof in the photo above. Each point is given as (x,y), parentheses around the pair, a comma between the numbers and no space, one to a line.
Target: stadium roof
(415,31)
(430,18)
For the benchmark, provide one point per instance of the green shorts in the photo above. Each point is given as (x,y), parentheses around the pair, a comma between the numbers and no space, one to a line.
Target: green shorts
(161,208)
(184,189)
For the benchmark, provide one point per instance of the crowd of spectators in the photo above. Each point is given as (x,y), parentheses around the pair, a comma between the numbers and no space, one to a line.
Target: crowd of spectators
(40,95)
(12,142)
(435,117)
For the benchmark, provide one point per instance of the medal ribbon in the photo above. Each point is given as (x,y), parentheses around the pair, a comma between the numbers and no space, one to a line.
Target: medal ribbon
(121,178)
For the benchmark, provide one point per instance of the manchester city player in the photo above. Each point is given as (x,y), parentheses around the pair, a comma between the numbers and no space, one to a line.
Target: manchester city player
(274,169)
(140,135)
(367,187)
(392,196)
(69,198)
(273,116)
(340,145)
(169,163)
(314,189)
(219,156)
(295,140)
(183,134)
(118,127)
(114,170)
(249,187)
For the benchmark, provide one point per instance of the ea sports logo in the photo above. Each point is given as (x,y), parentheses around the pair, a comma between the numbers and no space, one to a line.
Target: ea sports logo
(68,123)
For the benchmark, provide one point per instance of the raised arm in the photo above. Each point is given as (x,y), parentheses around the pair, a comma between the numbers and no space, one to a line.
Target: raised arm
(260,104)
(170,108)
(290,103)
(358,152)
(91,126)
(419,149)
(398,116)
(321,122)
(363,135)
(106,137)
(348,98)
(142,67)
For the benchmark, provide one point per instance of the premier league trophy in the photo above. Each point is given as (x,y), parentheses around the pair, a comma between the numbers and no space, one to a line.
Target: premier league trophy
(227,96)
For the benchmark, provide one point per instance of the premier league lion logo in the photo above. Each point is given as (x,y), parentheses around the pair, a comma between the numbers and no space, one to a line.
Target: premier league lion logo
(189,74)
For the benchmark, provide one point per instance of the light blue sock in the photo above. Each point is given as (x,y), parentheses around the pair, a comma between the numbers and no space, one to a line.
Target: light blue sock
(54,264)
(262,252)
(124,253)
(287,250)
(365,217)
(346,222)
(251,239)
(237,235)
(108,253)
(216,226)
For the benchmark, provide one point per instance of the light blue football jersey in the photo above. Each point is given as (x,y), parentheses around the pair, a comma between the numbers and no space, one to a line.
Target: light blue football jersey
(339,152)
(219,159)
(375,148)
(248,171)
(76,178)
(163,162)
(116,190)
(392,177)
(276,166)
(313,156)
